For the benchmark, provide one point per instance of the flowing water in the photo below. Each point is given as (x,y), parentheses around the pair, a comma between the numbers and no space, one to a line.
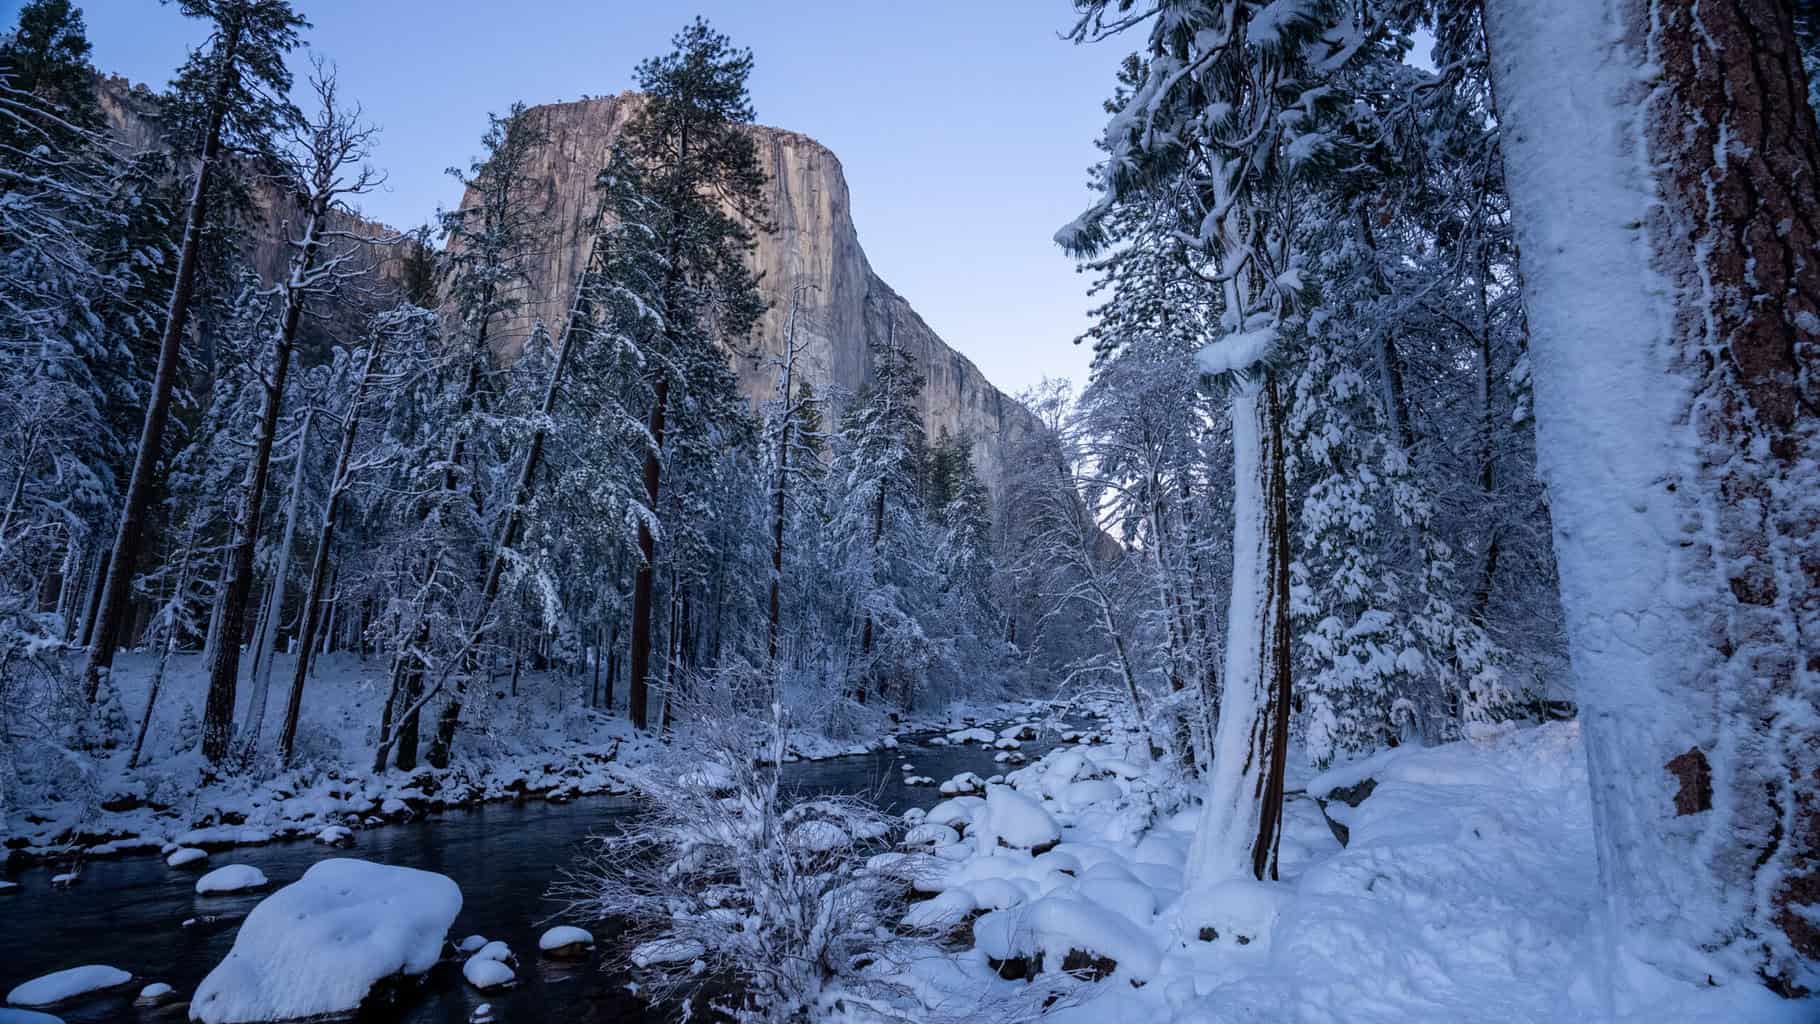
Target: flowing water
(128,912)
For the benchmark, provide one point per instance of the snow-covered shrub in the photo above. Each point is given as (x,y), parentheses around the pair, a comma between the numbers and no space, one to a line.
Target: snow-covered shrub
(729,880)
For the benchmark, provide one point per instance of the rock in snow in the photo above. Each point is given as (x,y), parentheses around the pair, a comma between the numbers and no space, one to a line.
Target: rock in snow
(566,942)
(184,856)
(320,944)
(68,984)
(232,878)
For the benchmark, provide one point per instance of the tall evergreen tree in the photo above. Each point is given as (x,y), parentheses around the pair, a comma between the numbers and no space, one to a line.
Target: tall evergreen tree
(689,147)
(230,100)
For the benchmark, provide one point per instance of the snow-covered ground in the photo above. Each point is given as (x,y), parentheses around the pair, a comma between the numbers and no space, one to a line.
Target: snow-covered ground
(542,742)
(1467,891)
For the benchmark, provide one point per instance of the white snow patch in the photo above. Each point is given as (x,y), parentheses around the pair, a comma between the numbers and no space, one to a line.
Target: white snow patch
(230,878)
(65,985)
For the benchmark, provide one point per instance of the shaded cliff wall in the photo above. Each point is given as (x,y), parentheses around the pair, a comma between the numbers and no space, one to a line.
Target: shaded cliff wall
(812,241)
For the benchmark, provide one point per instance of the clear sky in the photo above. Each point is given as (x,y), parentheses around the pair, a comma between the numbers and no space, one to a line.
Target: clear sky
(965,126)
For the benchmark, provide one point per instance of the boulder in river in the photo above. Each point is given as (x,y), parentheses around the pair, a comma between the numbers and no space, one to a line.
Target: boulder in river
(348,933)
(566,942)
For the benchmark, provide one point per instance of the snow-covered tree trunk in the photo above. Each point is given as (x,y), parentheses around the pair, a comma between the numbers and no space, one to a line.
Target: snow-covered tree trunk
(274,609)
(1241,820)
(1665,198)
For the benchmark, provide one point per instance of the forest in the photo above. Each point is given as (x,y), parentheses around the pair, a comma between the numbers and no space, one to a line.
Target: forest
(1414,614)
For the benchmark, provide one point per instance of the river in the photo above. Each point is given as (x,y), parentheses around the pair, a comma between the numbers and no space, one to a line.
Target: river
(128,912)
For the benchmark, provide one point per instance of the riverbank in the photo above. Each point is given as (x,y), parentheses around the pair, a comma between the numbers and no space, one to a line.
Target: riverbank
(530,739)
(131,911)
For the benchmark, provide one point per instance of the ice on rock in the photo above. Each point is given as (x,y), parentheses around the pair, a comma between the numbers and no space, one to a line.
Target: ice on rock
(68,984)
(231,878)
(320,944)
(185,855)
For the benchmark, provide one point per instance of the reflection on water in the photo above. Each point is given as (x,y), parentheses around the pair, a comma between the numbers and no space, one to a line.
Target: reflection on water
(129,912)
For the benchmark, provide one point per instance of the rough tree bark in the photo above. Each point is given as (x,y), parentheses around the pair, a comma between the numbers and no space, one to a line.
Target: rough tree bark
(1666,204)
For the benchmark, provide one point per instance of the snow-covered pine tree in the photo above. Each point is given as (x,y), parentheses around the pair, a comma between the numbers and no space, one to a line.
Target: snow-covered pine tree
(229,99)
(688,149)
(326,166)
(1227,108)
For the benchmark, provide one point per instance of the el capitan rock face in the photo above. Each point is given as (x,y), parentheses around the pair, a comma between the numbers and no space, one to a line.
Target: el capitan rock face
(812,241)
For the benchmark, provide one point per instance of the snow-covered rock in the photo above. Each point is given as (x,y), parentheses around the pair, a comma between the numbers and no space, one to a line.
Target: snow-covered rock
(566,942)
(956,812)
(1065,932)
(963,784)
(488,974)
(231,878)
(930,834)
(496,950)
(336,835)
(64,985)
(918,780)
(155,993)
(183,856)
(7,888)
(1017,821)
(471,944)
(972,736)
(12,1016)
(321,944)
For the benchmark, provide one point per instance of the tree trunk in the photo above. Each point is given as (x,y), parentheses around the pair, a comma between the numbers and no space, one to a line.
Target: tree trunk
(124,560)
(274,611)
(1667,212)
(224,661)
(1241,821)
(637,689)
(311,615)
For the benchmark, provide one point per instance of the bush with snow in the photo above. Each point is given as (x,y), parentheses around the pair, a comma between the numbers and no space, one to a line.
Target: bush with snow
(738,885)
(323,943)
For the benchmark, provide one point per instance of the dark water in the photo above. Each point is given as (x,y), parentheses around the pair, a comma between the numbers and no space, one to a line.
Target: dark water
(128,912)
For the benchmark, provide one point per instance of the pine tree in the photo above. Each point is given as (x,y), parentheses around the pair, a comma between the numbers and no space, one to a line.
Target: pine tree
(689,150)
(231,100)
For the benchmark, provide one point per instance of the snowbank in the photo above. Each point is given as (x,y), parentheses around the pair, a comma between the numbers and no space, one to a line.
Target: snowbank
(320,944)
(65,985)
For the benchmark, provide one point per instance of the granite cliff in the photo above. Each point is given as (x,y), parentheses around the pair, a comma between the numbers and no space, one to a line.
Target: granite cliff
(812,242)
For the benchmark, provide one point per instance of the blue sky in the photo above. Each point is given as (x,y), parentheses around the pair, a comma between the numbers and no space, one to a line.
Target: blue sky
(965,126)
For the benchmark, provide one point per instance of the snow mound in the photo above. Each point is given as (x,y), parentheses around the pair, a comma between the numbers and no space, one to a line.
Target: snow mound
(956,812)
(156,992)
(1055,926)
(185,855)
(495,950)
(336,835)
(65,985)
(1241,911)
(565,938)
(8,1016)
(962,784)
(972,736)
(471,944)
(320,944)
(487,974)
(1017,821)
(232,878)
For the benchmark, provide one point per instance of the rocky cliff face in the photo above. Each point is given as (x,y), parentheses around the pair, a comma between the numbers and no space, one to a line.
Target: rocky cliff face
(812,243)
